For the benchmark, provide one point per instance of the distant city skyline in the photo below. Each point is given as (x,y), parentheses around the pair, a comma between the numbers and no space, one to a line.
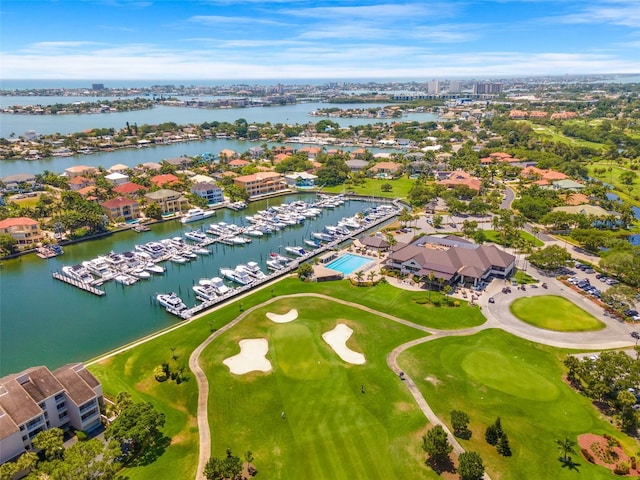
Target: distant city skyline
(292,39)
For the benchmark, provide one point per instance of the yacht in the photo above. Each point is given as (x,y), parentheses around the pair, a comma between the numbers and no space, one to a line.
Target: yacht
(125,279)
(196,236)
(201,251)
(312,243)
(279,258)
(78,272)
(178,259)
(217,284)
(273,265)
(153,268)
(253,269)
(171,301)
(295,250)
(155,249)
(195,214)
(100,267)
(141,273)
(204,292)
(322,236)
(235,275)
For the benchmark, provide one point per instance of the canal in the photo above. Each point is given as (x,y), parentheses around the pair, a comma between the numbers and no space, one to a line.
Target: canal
(46,322)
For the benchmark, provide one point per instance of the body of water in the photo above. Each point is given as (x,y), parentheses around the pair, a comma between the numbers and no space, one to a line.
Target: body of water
(290,114)
(46,322)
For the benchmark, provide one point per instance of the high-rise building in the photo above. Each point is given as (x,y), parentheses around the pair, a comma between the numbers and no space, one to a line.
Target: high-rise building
(433,87)
(455,86)
(483,88)
(97,86)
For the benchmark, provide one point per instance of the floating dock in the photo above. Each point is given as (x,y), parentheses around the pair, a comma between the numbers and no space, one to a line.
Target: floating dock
(80,285)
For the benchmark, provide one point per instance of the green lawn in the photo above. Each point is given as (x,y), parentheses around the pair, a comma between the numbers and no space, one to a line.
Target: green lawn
(493,374)
(332,430)
(613,178)
(373,187)
(552,133)
(132,371)
(554,313)
(493,236)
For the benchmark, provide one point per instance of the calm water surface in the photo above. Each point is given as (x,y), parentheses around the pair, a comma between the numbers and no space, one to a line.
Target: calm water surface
(46,322)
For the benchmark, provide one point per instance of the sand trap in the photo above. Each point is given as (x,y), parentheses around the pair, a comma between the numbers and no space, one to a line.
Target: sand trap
(337,339)
(251,357)
(287,317)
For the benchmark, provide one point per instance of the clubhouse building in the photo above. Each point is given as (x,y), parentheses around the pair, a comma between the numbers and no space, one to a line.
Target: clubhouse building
(451,260)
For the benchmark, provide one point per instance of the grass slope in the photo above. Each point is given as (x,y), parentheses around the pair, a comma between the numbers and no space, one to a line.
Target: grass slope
(373,187)
(554,313)
(332,430)
(493,374)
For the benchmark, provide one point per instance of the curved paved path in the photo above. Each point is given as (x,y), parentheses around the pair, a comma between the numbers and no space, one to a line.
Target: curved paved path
(497,314)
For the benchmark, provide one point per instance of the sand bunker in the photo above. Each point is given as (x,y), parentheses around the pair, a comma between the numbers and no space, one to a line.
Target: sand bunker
(287,317)
(251,357)
(337,339)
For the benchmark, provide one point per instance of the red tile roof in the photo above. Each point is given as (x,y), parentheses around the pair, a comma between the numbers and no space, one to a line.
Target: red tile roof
(118,202)
(17,222)
(164,179)
(129,188)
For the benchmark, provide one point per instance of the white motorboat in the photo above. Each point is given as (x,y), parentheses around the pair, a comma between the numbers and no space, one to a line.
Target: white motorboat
(322,236)
(171,301)
(78,272)
(217,284)
(100,267)
(279,258)
(153,268)
(155,249)
(312,243)
(252,232)
(188,254)
(204,292)
(141,273)
(195,214)
(273,265)
(196,236)
(178,259)
(295,250)
(253,269)
(235,275)
(125,279)
(201,251)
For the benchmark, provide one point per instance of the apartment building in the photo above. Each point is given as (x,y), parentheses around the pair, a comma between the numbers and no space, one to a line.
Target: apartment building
(169,201)
(37,399)
(261,183)
(25,231)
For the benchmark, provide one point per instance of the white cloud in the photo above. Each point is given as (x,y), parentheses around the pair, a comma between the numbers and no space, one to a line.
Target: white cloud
(621,13)
(381,12)
(234,20)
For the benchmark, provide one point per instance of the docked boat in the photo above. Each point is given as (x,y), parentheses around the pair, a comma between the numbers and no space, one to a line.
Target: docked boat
(155,249)
(195,214)
(178,259)
(295,250)
(237,276)
(196,236)
(217,284)
(171,301)
(141,273)
(201,251)
(322,236)
(99,267)
(279,258)
(312,243)
(153,268)
(125,279)
(273,265)
(205,292)
(78,272)
(253,269)
(253,232)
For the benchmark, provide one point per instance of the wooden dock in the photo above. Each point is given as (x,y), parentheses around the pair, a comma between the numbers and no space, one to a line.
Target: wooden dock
(80,285)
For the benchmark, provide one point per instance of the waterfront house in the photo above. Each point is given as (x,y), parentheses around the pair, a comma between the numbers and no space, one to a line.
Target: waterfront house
(357,165)
(227,154)
(25,231)
(238,163)
(118,168)
(129,188)
(79,170)
(310,152)
(121,208)
(541,176)
(451,260)
(116,178)
(80,182)
(386,169)
(19,182)
(256,152)
(300,180)
(165,179)
(148,167)
(209,191)
(169,201)
(180,162)
(38,399)
(261,183)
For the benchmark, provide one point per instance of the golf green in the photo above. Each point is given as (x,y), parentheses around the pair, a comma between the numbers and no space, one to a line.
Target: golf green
(554,313)
(342,420)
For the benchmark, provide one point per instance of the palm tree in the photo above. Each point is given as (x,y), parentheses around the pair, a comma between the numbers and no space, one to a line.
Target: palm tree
(566,447)
(372,276)
(359,276)
(430,277)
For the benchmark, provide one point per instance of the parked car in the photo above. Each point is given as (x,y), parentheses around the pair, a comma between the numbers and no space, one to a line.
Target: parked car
(612,281)
(589,270)
(635,335)
(492,300)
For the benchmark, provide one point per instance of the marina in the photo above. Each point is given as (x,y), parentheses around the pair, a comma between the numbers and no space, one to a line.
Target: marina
(69,325)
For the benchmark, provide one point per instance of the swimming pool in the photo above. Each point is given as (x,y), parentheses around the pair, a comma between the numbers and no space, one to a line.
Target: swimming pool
(347,263)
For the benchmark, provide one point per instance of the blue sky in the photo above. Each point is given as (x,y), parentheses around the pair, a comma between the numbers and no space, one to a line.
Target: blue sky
(251,39)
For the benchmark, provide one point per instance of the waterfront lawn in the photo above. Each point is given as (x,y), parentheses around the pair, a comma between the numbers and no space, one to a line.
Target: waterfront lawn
(373,187)
(494,374)
(613,178)
(406,304)
(493,236)
(554,313)
(332,430)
